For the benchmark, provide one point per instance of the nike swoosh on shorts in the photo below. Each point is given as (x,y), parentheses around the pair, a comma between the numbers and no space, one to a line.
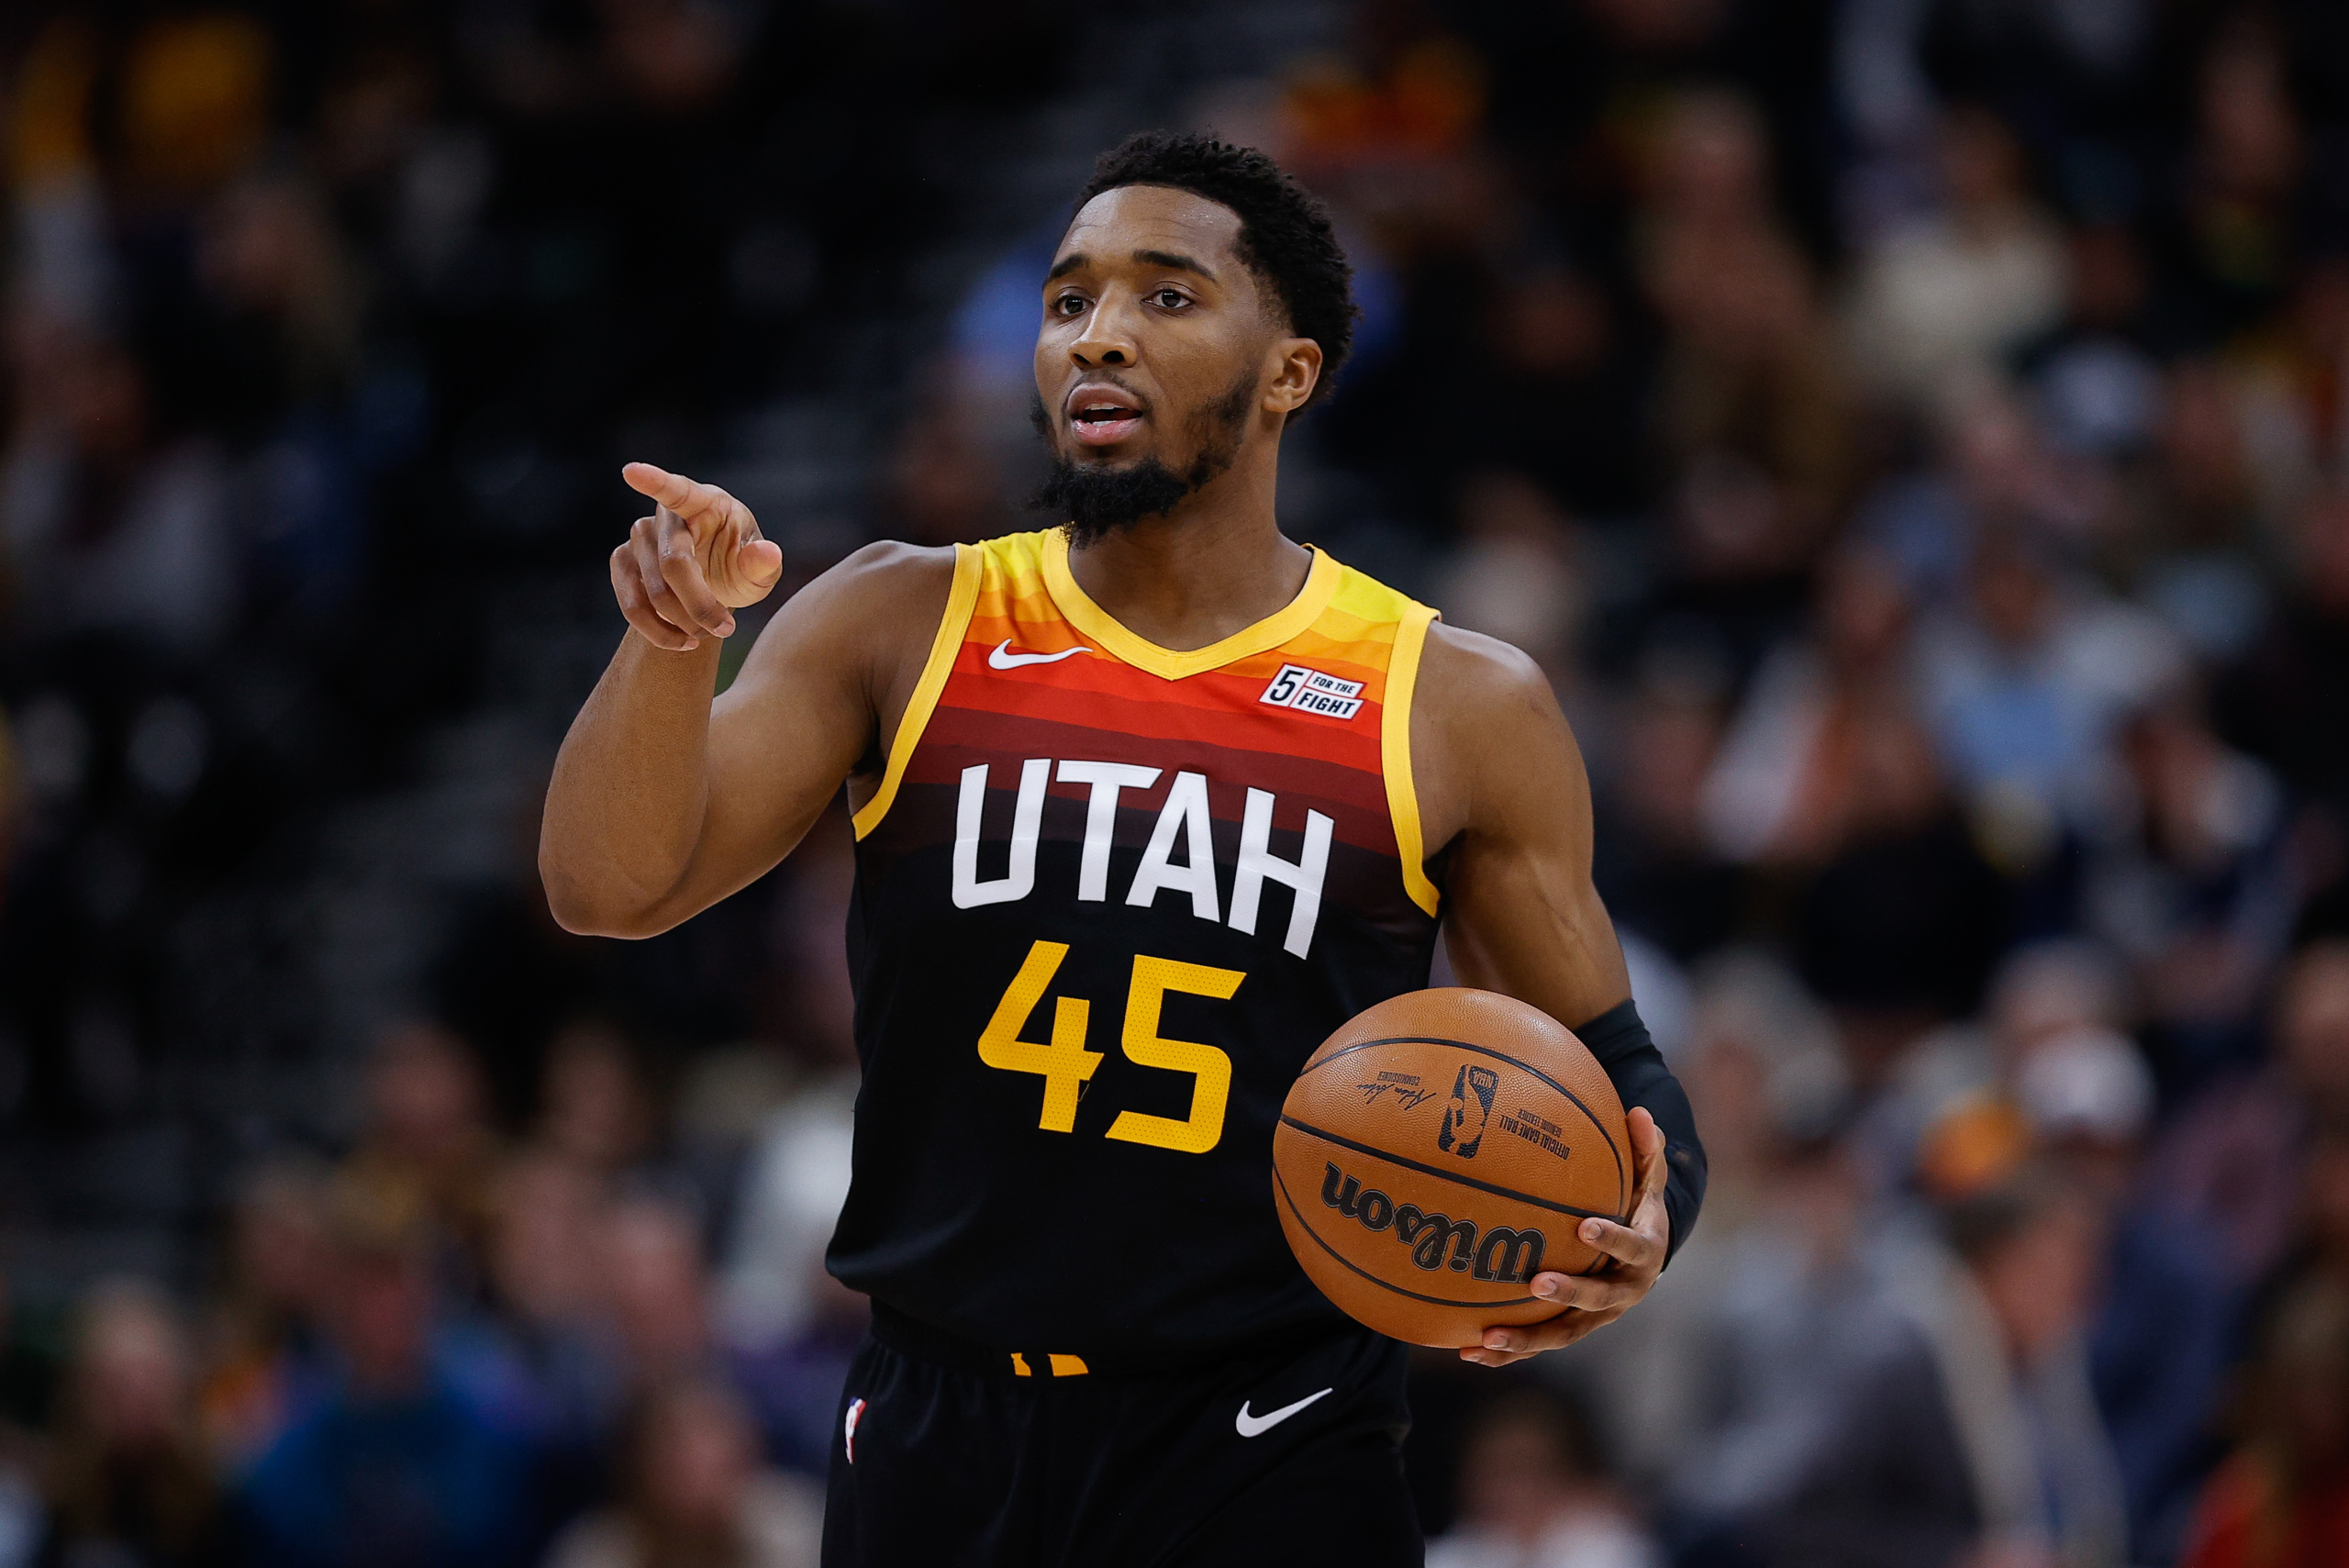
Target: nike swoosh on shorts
(1256,1425)
(1001,657)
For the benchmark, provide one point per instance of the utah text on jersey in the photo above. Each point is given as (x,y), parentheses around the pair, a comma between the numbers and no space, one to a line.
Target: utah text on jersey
(1183,822)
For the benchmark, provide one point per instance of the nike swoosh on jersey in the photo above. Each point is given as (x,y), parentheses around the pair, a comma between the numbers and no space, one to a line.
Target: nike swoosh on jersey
(1003,658)
(1256,1425)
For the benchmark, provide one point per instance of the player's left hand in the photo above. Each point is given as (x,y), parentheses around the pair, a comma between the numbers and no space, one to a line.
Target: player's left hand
(1594,1300)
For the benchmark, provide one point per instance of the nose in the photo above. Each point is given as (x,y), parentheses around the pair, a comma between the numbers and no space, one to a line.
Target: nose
(1107,338)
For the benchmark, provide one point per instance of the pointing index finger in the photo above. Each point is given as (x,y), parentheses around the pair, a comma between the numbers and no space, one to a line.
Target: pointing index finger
(685,497)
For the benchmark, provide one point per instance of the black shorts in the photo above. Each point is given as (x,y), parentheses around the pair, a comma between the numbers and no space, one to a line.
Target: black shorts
(956,1461)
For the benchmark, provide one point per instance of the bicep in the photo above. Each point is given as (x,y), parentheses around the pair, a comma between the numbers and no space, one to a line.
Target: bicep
(1522,916)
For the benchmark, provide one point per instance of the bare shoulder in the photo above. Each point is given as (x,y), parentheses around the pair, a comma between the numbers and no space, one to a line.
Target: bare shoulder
(1485,731)
(1467,678)
(887,579)
(879,596)
(859,626)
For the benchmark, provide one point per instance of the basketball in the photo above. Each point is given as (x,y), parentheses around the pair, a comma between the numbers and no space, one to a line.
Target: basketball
(1440,1150)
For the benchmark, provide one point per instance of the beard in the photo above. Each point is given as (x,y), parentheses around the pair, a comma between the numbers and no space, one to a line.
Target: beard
(1095,502)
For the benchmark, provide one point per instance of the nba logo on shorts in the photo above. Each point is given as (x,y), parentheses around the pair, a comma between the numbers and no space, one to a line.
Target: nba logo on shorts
(848,1428)
(1464,1120)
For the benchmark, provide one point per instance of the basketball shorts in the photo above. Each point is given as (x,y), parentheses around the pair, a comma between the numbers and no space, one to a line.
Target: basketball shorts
(951,1458)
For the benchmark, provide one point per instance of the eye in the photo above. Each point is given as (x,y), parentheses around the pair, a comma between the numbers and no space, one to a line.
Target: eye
(1170,299)
(1069,305)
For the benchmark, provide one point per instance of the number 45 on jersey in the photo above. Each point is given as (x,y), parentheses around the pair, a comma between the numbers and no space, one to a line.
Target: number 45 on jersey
(1066,1066)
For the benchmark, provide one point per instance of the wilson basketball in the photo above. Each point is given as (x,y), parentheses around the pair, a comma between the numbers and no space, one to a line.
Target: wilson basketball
(1440,1150)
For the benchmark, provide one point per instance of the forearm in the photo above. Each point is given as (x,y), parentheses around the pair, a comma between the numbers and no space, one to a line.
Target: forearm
(1620,1043)
(626,807)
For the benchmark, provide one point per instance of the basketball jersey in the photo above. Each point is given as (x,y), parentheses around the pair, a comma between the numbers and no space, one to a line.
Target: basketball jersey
(1108,898)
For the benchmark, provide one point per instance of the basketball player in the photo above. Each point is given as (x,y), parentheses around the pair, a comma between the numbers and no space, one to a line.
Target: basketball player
(1145,805)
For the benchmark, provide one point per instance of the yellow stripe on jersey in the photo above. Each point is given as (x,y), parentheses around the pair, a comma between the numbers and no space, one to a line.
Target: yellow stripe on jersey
(1394,743)
(943,646)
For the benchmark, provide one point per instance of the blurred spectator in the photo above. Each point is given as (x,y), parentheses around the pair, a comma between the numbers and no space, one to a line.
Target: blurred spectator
(1793,1309)
(695,1496)
(111,519)
(394,1463)
(1567,379)
(2197,522)
(427,1147)
(2050,990)
(1770,1072)
(2284,699)
(2282,1501)
(790,1326)
(2026,684)
(1785,787)
(1899,926)
(1532,1497)
(2286,378)
(130,1481)
(648,1258)
(2165,1335)
(1753,407)
(2038,994)
(264,1351)
(509,980)
(2198,892)
(949,481)
(1513,577)
(543,1271)
(595,1110)
(274,263)
(2230,1162)
(2096,381)
(2248,149)
(1660,878)
(1941,302)
(547,1288)
(1970,1430)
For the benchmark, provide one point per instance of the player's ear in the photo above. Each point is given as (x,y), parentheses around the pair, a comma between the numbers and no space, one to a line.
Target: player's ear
(1296,371)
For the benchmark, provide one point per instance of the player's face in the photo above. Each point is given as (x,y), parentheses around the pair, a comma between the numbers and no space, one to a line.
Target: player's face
(1156,341)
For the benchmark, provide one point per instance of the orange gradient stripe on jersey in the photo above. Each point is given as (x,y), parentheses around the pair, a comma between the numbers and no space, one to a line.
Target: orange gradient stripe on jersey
(1100,689)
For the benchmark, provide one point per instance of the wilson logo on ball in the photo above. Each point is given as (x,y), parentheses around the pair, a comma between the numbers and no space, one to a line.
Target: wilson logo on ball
(1472,1089)
(1503,1253)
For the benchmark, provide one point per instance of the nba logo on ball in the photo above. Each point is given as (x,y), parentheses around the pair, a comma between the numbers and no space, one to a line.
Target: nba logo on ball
(1464,1117)
(1426,1216)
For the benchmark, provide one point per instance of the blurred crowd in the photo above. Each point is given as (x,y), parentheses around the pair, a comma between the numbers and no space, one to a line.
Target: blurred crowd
(1912,434)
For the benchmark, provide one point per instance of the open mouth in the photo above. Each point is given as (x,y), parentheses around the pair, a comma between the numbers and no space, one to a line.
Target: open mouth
(1100,421)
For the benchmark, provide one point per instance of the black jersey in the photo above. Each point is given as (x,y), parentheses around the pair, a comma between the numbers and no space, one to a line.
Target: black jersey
(1108,899)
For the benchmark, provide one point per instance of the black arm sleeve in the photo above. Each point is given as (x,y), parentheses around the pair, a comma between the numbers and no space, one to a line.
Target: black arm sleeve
(1635,1066)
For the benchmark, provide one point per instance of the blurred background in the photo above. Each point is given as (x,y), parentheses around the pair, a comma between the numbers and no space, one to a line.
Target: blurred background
(1913,435)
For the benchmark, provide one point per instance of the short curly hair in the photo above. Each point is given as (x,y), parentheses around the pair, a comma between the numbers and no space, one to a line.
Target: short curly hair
(1286,237)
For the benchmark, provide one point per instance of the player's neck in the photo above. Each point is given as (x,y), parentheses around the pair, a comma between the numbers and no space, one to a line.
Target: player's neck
(1215,565)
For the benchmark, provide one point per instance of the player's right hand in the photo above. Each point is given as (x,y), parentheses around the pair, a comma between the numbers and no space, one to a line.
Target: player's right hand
(687,568)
